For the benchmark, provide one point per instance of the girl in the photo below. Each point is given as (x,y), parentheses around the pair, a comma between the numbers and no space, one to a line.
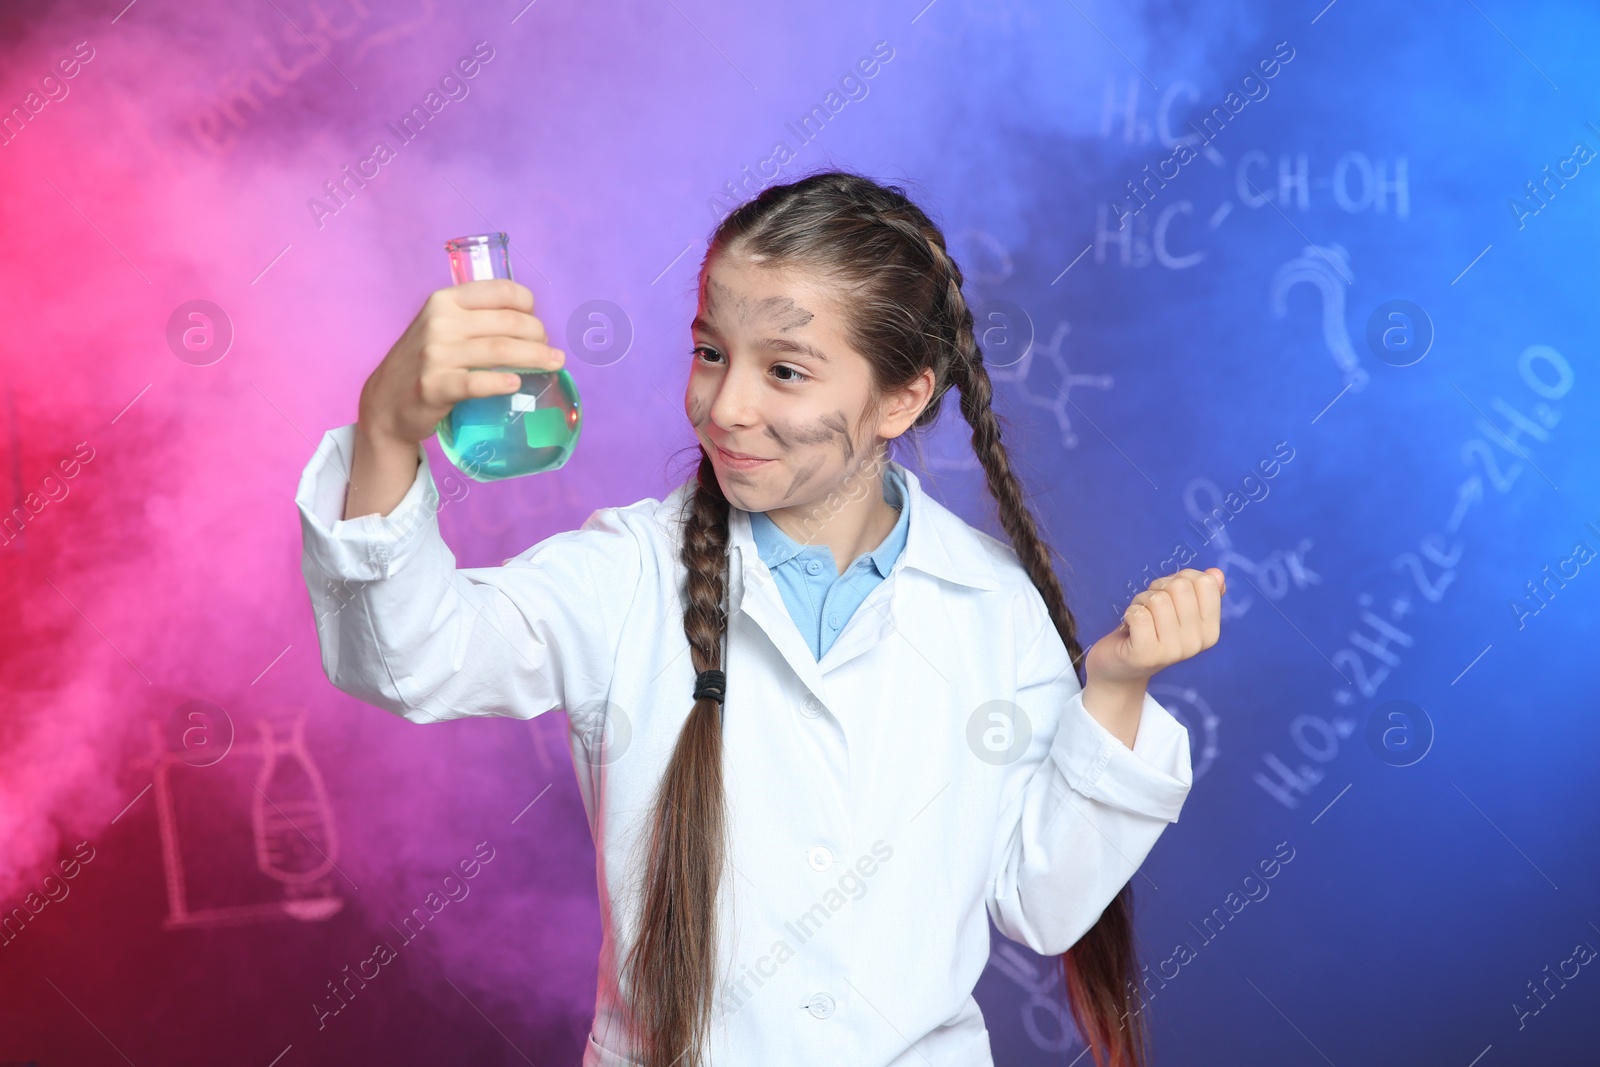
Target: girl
(823,728)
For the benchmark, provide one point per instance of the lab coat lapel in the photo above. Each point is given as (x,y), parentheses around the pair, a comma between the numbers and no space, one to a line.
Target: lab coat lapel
(938,543)
(753,591)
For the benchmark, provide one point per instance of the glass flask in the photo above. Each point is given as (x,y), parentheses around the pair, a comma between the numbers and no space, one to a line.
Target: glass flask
(527,432)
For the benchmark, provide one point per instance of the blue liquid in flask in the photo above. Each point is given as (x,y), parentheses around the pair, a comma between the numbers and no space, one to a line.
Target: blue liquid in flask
(530,431)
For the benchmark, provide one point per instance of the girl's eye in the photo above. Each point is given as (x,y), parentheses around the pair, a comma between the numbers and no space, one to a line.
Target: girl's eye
(712,356)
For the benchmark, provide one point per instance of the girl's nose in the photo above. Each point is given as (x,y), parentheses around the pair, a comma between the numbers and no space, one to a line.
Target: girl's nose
(734,402)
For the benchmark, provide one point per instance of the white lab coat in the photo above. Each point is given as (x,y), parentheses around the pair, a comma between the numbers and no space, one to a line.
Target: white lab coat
(875,820)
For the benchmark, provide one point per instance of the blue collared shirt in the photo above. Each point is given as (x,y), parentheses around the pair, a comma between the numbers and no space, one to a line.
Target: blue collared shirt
(821,600)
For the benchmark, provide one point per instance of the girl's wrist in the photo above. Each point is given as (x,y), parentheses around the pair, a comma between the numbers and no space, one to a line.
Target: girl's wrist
(1116,706)
(382,470)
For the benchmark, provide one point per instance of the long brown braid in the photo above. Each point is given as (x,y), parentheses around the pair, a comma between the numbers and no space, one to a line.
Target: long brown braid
(1099,969)
(672,968)
(906,313)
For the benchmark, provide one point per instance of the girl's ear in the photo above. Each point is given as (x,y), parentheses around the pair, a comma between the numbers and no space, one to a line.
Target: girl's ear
(901,408)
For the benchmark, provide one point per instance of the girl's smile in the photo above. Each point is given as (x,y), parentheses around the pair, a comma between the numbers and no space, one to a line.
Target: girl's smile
(739,462)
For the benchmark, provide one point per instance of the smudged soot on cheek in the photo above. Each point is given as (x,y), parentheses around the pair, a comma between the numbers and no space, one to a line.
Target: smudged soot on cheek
(817,432)
(697,410)
(836,423)
(802,476)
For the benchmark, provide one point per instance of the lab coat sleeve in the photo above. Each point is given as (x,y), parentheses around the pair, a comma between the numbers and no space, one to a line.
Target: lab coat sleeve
(401,628)
(1088,810)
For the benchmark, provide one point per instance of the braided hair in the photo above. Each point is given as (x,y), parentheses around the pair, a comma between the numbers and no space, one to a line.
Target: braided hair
(906,314)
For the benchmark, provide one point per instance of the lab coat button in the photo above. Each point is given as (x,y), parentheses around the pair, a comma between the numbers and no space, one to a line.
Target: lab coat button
(820,858)
(820,1005)
(810,707)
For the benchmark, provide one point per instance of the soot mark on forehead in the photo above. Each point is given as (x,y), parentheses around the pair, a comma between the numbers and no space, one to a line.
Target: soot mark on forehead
(714,292)
(780,311)
(783,312)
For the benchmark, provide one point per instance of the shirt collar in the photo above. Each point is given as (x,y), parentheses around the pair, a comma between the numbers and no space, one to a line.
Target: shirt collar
(776,547)
(938,542)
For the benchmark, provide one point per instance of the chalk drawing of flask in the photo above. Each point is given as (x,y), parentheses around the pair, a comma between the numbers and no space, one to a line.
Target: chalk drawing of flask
(294,831)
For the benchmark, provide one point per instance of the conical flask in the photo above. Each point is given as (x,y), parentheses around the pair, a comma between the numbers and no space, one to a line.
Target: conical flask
(530,431)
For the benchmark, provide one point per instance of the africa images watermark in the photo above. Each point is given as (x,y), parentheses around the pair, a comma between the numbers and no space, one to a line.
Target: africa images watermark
(852,86)
(53,89)
(1211,524)
(1141,191)
(410,928)
(856,485)
(51,489)
(1537,195)
(342,190)
(1538,596)
(1254,889)
(1582,954)
(851,885)
(17,919)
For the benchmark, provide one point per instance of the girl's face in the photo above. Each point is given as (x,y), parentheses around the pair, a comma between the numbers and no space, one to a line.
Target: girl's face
(774,378)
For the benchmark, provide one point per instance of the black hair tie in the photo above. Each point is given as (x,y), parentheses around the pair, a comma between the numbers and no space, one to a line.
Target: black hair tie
(711,684)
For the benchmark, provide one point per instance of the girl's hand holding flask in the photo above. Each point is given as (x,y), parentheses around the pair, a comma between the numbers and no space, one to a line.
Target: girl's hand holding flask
(436,364)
